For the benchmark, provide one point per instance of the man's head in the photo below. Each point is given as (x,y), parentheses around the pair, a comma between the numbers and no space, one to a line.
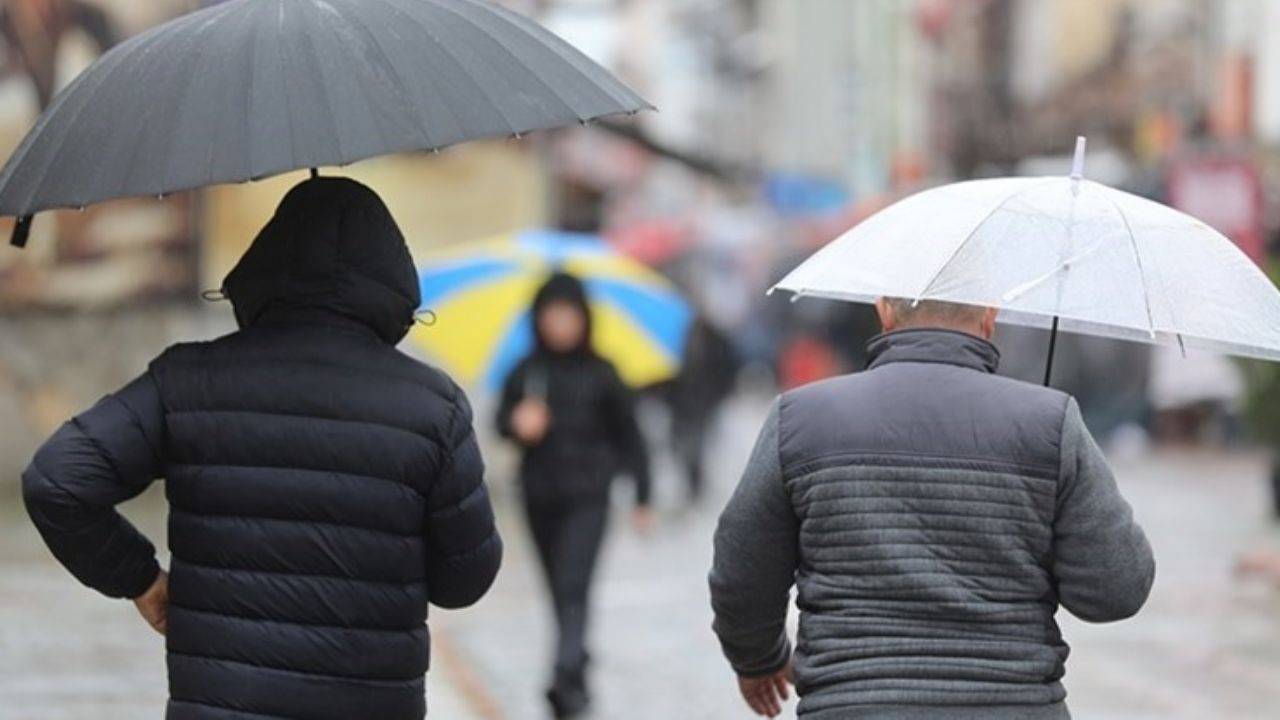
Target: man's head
(901,314)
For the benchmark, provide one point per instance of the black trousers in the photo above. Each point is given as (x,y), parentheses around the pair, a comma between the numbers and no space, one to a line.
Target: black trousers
(568,536)
(689,441)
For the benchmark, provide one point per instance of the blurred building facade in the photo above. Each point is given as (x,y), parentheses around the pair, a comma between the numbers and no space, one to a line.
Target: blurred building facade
(781,124)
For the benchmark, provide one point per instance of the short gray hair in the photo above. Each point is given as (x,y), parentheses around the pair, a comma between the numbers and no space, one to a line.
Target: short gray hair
(915,312)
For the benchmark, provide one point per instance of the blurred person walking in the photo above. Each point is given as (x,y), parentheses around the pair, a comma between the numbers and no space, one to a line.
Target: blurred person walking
(706,379)
(323,487)
(574,420)
(933,517)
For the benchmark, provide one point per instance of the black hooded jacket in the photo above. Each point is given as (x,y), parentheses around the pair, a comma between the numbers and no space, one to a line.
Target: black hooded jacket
(593,434)
(323,487)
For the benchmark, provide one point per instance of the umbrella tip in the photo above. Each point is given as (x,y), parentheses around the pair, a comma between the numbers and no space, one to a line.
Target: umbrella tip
(21,231)
(1077,163)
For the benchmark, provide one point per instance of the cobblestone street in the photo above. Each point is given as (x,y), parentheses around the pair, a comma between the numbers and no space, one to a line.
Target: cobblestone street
(1206,646)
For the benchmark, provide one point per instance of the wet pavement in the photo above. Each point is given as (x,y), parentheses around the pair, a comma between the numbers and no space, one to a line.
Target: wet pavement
(1206,646)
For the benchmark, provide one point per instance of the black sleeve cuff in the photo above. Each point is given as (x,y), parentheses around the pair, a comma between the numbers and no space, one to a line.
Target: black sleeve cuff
(136,581)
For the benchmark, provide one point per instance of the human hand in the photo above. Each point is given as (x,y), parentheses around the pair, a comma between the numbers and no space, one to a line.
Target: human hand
(530,421)
(153,605)
(643,519)
(766,694)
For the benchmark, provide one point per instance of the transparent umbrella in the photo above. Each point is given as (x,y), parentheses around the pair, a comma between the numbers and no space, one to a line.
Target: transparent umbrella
(1056,252)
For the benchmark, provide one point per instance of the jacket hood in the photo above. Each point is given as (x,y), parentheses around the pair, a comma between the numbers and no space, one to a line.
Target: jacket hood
(331,247)
(562,287)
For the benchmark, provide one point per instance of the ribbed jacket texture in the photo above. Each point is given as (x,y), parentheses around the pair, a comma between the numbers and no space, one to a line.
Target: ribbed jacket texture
(323,487)
(932,517)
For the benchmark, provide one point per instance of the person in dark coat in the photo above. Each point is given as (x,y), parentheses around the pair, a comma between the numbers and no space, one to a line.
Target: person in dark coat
(574,419)
(706,378)
(323,487)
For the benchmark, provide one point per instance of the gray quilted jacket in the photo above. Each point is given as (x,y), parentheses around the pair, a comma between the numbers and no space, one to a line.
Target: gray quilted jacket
(933,516)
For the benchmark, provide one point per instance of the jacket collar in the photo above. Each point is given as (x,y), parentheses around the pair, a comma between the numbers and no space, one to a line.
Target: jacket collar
(933,345)
(285,315)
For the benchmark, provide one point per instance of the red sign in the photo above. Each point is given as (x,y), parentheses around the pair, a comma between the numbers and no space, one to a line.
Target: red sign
(1225,193)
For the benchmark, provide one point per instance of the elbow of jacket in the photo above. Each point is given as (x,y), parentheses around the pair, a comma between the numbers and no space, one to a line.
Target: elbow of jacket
(466,587)
(39,490)
(459,602)
(1111,612)
(40,484)
(1120,605)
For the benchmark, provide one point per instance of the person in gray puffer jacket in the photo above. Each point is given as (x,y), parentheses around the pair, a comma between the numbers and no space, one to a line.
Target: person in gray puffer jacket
(933,517)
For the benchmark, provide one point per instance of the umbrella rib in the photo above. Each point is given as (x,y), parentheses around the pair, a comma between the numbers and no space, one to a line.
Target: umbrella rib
(1028,286)
(143,44)
(17,160)
(414,109)
(617,91)
(289,90)
(961,245)
(307,40)
(514,58)
(163,181)
(91,96)
(249,90)
(116,57)
(291,112)
(378,127)
(447,107)
(448,51)
(1137,257)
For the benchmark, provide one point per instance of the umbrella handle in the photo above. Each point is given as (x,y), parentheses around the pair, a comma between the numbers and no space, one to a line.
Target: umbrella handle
(1053,341)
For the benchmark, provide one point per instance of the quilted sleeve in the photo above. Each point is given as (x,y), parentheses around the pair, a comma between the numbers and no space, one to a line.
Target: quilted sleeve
(95,461)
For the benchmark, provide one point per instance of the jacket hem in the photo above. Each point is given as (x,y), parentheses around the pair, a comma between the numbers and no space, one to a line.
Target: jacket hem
(1054,711)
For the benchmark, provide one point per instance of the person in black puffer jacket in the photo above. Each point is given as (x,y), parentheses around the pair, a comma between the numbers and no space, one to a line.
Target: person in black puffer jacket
(323,487)
(573,417)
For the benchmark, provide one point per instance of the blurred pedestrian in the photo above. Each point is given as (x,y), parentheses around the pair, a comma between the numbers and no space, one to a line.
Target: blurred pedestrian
(708,372)
(575,421)
(323,487)
(933,516)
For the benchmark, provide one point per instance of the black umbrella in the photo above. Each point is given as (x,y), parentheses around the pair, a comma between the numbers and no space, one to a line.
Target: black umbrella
(253,88)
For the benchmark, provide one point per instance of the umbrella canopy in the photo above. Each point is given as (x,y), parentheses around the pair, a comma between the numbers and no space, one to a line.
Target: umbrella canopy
(252,88)
(1102,261)
(480,294)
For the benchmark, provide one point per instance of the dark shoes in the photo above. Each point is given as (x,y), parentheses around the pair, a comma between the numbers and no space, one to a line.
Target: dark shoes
(568,702)
(569,697)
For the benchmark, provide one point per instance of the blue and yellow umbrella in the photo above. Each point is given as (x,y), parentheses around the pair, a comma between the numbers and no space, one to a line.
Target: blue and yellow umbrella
(480,294)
